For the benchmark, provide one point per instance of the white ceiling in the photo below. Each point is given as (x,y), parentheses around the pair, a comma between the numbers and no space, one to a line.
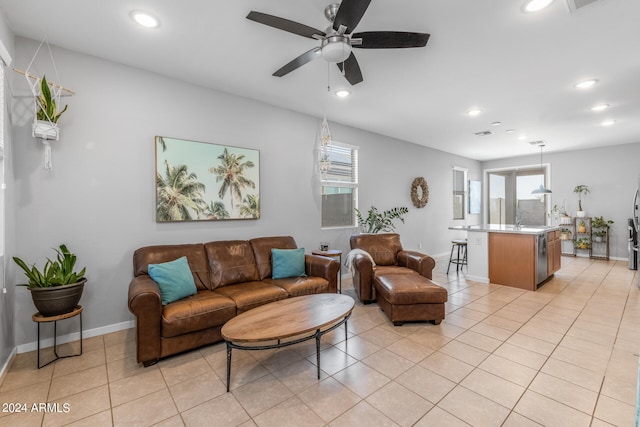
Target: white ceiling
(518,68)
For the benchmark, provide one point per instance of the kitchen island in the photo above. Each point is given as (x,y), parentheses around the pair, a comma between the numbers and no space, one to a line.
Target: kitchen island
(521,257)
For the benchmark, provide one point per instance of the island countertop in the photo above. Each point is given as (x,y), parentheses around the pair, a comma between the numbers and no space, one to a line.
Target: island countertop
(506,228)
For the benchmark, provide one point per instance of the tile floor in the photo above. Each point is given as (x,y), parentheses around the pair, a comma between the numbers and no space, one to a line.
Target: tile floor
(566,355)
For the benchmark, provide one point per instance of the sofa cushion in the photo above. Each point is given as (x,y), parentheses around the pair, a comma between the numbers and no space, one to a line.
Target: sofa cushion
(203,310)
(174,279)
(287,263)
(392,269)
(249,295)
(383,248)
(231,262)
(195,254)
(262,250)
(297,286)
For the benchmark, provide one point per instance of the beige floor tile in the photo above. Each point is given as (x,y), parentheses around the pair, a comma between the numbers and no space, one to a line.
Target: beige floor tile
(541,334)
(120,351)
(292,412)
(175,421)
(480,341)
(399,404)
(22,398)
(516,420)
(573,374)
(492,331)
(227,410)
(88,359)
(381,336)
(464,352)
(622,389)
(460,321)
(493,387)
(614,412)
(253,398)
(362,415)
(593,349)
(329,399)
(447,366)
(426,383)
(243,371)
(549,412)
(473,408)
(441,418)
(132,388)
(579,358)
(410,350)
(26,419)
(299,375)
(499,320)
(332,360)
(509,370)
(129,367)
(81,405)
(388,363)
(24,374)
(521,355)
(77,382)
(531,343)
(147,410)
(100,419)
(119,337)
(570,394)
(358,347)
(182,367)
(279,359)
(361,379)
(447,330)
(428,339)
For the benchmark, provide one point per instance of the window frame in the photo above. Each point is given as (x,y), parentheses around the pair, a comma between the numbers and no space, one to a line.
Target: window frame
(459,196)
(336,180)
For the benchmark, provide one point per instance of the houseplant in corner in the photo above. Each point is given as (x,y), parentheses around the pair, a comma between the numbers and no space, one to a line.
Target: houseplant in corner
(58,287)
(47,114)
(377,222)
(600,225)
(580,190)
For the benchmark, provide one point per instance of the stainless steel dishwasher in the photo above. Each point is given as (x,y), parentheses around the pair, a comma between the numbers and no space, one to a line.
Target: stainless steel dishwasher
(541,258)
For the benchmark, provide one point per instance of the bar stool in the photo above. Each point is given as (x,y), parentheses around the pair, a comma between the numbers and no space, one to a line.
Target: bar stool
(461,246)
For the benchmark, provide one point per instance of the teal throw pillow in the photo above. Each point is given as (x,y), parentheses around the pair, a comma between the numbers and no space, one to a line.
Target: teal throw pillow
(287,263)
(174,279)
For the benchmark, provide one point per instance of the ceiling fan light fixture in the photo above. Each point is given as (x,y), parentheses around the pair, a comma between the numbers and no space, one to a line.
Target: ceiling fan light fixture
(336,49)
(531,6)
(474,112)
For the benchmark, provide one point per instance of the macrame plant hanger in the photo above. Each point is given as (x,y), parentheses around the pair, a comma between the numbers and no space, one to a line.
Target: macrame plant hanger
(45,130)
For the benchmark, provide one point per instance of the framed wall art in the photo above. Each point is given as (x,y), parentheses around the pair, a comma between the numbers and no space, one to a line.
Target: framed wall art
(199,181)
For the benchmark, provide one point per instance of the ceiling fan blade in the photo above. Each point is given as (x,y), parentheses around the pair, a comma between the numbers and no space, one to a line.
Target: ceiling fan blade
(351,69)
(350,13)
(284,24)
(390,39)
(298,62)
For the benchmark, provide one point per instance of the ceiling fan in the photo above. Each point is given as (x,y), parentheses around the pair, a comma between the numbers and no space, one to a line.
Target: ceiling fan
(338,39)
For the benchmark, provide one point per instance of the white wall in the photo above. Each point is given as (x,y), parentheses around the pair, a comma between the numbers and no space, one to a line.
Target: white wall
(611,174)
(99,197)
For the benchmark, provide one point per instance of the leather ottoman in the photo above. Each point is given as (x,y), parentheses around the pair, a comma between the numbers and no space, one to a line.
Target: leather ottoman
(410,297)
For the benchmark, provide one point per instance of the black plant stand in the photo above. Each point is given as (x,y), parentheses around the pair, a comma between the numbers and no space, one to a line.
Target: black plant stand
(39,318)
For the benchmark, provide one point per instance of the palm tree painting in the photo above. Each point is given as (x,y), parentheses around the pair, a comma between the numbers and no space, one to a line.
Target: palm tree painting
(197,181)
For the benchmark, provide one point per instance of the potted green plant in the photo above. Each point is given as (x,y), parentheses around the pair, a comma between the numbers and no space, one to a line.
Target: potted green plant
(600,222)
(565,234)
(582,243)
(580,190)
(377,221)
(582,227)
(47,115)
(598,236)
(58,287)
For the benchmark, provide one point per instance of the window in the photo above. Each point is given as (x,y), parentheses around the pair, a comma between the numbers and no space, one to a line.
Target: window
(510,198)
(340,186)
(459,187)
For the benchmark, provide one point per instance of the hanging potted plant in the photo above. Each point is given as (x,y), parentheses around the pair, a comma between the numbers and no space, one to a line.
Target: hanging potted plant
(580,190)
(47,115)
(58,287)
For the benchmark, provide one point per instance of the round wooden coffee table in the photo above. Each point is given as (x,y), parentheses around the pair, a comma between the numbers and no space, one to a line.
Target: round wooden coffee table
(310,315)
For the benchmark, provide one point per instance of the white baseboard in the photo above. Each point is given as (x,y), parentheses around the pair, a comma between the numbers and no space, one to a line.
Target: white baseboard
(31,346)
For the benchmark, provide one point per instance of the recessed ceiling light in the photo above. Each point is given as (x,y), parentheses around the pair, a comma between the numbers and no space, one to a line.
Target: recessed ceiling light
(585,84)
(145,19)
(522,137)
(600,107)
(474,112)
(608,123)
(342,93)
(535,5)
(510,130)
(496,123)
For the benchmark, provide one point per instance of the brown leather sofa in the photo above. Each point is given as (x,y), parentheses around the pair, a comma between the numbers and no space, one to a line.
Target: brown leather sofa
(400,281)
(230,276)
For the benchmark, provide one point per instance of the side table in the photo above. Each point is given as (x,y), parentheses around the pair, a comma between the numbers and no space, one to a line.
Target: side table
(333,253)
(39,318)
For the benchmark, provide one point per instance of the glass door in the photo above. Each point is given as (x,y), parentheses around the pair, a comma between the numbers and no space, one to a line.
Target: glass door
(510,199)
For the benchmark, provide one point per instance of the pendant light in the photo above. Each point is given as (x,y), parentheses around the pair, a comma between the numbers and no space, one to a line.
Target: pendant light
(541,189)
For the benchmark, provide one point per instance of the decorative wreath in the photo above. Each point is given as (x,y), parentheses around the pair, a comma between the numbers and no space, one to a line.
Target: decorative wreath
(419,202)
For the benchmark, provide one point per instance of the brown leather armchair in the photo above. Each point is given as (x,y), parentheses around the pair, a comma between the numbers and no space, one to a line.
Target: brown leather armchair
(386,252)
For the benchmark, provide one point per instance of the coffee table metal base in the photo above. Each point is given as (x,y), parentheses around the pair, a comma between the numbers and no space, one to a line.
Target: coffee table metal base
(317,335)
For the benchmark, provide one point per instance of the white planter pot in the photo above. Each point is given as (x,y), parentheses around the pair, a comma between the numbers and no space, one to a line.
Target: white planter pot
(580,214)
(45,130)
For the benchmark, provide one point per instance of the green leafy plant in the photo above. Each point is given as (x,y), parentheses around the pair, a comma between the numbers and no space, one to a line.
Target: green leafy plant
(600,233)
(600,222)
(582,243)
(376,221)
(580,190)
(58,272)
(47,108)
